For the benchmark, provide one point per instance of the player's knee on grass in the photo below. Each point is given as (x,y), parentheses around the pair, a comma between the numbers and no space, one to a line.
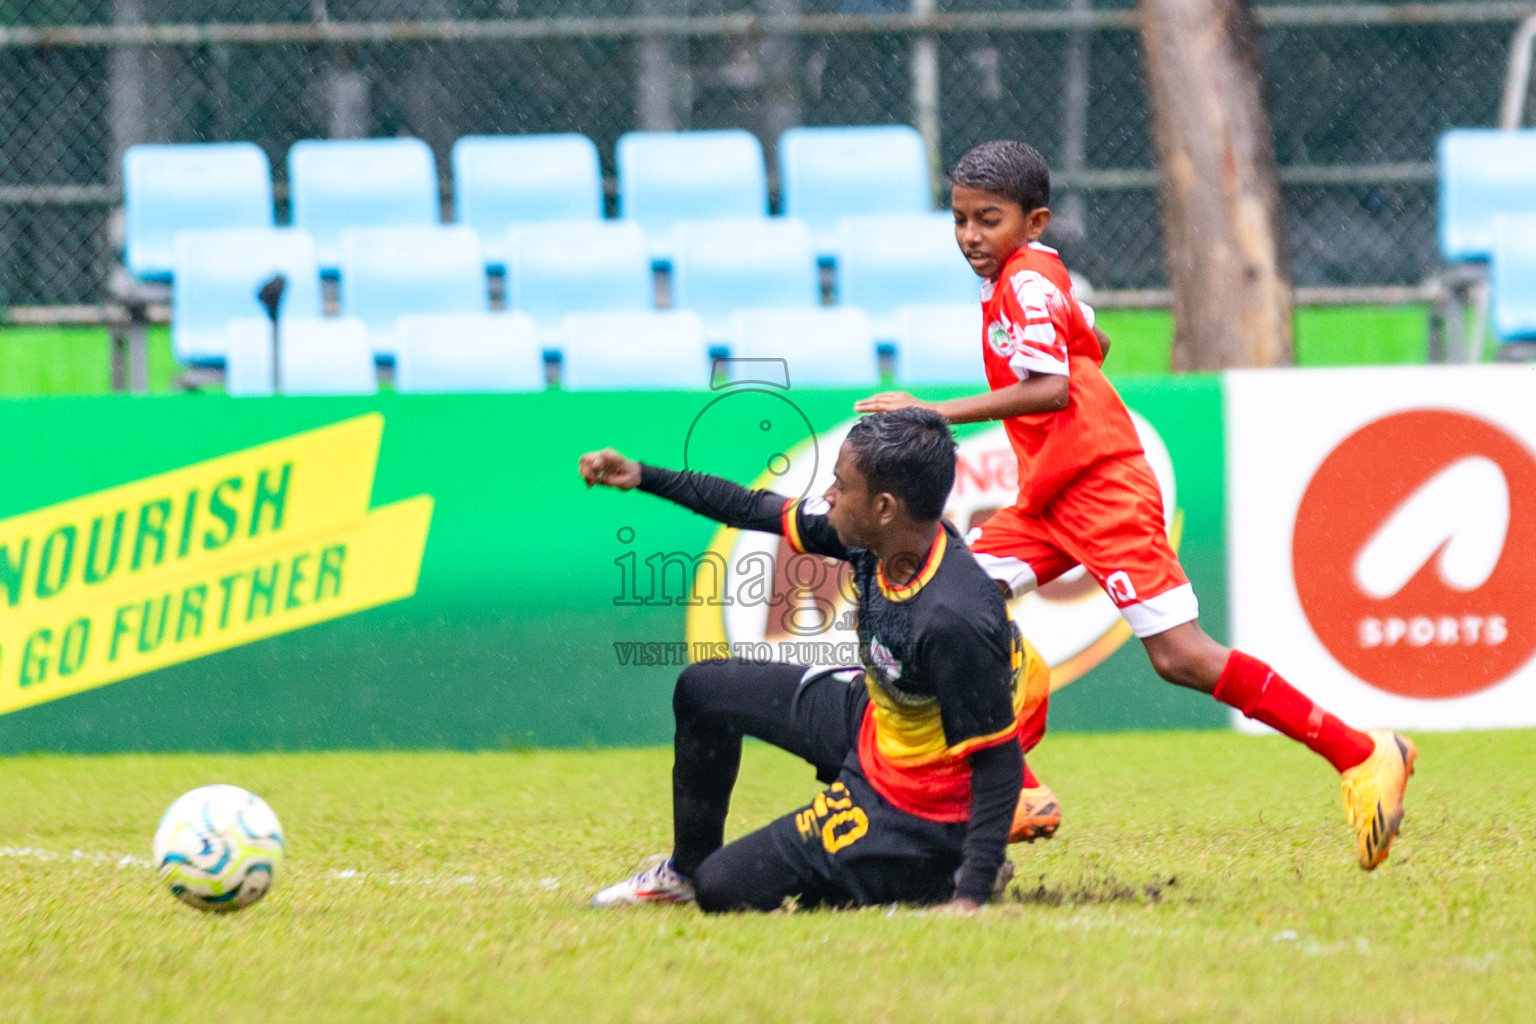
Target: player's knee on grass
(745,875)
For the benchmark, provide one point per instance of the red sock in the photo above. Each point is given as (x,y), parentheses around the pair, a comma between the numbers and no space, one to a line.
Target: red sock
(1257,691)
(1030,782)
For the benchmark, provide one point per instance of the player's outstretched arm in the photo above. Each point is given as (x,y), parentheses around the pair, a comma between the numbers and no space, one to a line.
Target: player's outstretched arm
(1039,392)
(721,500)
(609,468)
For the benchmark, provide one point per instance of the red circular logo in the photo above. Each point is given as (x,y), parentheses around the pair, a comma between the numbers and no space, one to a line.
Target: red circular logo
(1415,553)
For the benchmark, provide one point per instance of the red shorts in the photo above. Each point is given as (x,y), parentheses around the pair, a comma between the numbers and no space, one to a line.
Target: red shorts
(1108,519)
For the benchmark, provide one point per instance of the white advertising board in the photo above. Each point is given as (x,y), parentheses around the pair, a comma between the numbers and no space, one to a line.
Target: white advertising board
(1382,540)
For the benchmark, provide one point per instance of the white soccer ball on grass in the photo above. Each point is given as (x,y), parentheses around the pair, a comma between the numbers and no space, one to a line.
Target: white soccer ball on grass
(218,848)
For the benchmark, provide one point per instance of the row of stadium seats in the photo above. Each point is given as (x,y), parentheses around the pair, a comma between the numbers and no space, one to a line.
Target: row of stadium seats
(506,351)
(556,268)
(1487,214)
(500,181)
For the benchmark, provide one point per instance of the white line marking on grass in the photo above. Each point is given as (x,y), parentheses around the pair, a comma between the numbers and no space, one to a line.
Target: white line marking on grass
(37,853)
(390,878)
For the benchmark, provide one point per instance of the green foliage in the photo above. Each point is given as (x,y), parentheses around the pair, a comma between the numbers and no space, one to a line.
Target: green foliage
(1325,336)
(1198,876)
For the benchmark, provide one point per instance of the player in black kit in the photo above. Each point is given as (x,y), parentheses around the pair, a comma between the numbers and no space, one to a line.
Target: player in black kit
(923,755)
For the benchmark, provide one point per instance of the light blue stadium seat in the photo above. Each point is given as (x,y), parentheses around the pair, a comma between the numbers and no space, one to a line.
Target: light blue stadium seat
(826,174)
(391,271)
(634,350)
(217,275)
(939,344)
(455,352)
(1483,172)
(720,266)
(501,180)
(887,262)
(822,347)
(171,188)
(577,266)
(665,177)
(248,357)
(1513,277)
(325,356)
(335,184)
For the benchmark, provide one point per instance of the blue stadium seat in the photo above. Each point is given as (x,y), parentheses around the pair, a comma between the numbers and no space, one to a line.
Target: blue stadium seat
(217,275)
(335,184)
(665,177)
(501,180)
(1483,172)
(939,344)
(455,352)
(577,266)
(388,272)
(823,347)
(634,350)
(720,266)
(1513,277)
(884,263)
(325,356)
(826,174)
(167,189)
(248,357)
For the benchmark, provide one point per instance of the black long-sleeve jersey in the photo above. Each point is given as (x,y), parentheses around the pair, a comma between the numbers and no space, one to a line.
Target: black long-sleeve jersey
(948,674)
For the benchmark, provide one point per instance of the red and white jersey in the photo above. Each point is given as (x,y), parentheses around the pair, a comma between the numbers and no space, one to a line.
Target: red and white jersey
(1032,324)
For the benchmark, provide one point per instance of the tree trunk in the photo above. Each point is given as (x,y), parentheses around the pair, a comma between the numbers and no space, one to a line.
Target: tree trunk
(1223,223)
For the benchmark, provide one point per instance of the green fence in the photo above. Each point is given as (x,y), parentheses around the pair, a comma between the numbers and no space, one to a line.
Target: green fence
(519,626)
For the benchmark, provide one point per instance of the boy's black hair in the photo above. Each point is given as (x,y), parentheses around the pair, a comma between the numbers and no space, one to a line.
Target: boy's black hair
(909,453)
(1006,168)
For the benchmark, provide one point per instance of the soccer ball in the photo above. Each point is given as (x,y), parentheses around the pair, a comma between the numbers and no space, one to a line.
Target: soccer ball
(218,848)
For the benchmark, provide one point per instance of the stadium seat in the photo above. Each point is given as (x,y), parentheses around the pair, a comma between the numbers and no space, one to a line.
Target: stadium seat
(634,350)
(325,356)
(575,267)
(453,352)
(823,347)
(826,174)
(720,266)
(388,272)
(939,344)
(217,275)
(335,184)
(1483,172)
(501,180)
(885,262)
(167,189)
(665,177)
(248,357)
(1513,277)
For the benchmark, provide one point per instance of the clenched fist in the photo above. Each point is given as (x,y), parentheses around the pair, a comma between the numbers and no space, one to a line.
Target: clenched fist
(609,468)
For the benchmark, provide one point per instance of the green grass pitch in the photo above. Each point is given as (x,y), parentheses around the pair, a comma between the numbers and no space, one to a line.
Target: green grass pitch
(1198,876)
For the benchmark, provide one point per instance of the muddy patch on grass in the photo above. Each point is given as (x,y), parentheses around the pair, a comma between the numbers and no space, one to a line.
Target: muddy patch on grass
(1094,891)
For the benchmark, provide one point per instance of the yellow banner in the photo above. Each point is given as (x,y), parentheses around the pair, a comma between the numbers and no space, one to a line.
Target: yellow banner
(201,559)
(132,536)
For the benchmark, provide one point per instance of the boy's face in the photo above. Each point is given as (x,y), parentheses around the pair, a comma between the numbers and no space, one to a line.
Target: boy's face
(990,228)
(856,515)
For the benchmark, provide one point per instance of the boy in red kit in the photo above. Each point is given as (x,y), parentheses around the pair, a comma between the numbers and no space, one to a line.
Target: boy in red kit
(1087,495)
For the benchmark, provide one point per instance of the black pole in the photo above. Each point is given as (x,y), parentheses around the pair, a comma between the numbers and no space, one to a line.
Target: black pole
(271,297)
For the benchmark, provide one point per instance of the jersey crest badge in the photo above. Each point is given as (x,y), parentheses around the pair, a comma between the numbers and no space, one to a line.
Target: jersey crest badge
(1000,339)
(882,659)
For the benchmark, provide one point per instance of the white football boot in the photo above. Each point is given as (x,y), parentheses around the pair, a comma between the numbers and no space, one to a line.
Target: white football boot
(656,881)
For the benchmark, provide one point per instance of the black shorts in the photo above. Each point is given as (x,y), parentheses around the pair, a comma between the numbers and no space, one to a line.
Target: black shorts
(848,846)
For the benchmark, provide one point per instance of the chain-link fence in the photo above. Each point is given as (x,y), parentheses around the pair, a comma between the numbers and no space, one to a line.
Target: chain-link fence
(1358,95)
